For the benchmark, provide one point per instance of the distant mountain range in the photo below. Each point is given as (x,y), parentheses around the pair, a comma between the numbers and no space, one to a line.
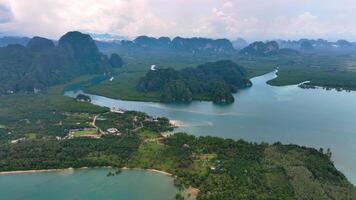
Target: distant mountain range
(309,44)
(4,41)
(193,45)
(41,63)
(239,43)
(267,49)
(178,44)
(107,37)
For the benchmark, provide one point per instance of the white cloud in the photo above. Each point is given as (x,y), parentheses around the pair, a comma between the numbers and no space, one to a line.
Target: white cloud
(52,18)
(5,12)
(228,4)
(254,19)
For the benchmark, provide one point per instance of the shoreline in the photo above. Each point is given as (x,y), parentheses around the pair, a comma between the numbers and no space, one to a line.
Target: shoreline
(82,168)
(150,170)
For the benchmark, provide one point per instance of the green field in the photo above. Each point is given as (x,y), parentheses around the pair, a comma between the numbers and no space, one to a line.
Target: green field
(123,87)
(31,136)
(85,132)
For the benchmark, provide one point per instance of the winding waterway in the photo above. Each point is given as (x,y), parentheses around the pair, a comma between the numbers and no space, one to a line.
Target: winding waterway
(289,114)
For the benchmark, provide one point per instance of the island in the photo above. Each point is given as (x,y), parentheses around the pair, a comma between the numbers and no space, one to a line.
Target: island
(213,81)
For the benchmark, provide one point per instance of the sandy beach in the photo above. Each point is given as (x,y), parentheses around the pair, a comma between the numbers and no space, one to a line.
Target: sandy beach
(37,171)
(150,170)
(72,169)
(161,172)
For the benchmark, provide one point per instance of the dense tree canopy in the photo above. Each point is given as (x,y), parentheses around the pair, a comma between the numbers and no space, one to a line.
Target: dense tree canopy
(217,81)
(115,60)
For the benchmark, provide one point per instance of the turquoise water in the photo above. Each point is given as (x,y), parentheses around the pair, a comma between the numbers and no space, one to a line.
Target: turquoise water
(314,117)
(88,184)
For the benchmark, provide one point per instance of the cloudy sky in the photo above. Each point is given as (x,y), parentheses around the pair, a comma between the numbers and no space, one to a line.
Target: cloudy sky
(250,19)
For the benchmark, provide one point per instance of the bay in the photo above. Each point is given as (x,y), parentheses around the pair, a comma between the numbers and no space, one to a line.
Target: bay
(88,184)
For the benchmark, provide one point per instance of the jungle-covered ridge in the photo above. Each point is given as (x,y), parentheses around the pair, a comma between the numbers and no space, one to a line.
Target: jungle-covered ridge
(41,63)
(214,81)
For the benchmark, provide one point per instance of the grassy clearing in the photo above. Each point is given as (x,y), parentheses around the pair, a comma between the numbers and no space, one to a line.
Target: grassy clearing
(2,126)
(148,134)
(31,136)
(85,132)
(123,87)
(147,156)
(58,89)
(202,162)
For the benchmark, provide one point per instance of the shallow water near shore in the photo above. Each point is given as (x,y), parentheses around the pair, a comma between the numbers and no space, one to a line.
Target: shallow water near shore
(310,117)
(88,184)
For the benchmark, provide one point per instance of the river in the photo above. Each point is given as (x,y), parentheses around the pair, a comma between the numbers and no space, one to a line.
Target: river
(263,113)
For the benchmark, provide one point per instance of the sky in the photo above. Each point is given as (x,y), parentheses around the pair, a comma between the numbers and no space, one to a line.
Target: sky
(249,19)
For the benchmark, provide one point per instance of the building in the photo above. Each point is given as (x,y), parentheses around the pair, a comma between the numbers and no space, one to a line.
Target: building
(113,131)
(117,110)
(16,141)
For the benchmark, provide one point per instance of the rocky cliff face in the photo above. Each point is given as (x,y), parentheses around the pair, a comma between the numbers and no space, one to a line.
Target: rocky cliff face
(261,49)
(178,44)
(82,49)
(40,63)
(40,44)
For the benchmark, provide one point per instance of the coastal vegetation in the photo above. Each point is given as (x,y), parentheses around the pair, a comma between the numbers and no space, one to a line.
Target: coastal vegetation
(218,168)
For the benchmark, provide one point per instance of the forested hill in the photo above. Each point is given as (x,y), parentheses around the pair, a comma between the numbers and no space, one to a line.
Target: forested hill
(266,49)
(214,81)
(4,41)
(40,63)
(195,45)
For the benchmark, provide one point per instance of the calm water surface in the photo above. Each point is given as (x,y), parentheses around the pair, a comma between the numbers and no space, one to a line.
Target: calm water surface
(314,117)
(88,184)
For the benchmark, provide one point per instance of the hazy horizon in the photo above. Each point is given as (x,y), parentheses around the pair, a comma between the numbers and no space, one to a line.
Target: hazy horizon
(231,19)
